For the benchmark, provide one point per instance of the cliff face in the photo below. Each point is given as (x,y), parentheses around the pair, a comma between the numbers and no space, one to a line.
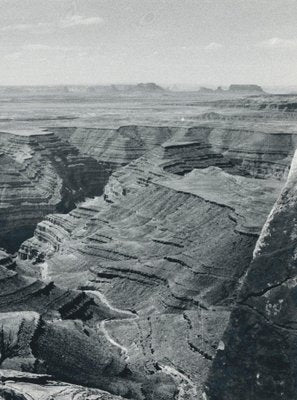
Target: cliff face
(116,147)
(259,356)
(169,245)
(39,175)
(132,290)
(270,107)
(244,147)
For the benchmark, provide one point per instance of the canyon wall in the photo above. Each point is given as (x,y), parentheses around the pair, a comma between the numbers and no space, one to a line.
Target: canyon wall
(252,148)
(170,240)
(262,328)
(165,285)
(40,174)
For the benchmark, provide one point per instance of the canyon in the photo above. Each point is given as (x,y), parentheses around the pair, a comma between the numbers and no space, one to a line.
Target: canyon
(151,261)
(40,174)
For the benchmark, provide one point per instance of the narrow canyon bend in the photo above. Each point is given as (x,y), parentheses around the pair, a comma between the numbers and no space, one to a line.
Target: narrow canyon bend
(151,260)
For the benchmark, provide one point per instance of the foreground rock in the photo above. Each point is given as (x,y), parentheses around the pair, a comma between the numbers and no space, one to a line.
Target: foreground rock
(22,386)
(258,359)
(60,337)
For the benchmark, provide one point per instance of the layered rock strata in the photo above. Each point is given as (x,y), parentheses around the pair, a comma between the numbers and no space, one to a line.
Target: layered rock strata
(116,147)
(258,359)
(170,247)
(257,149)
(6,260)
(23,385)
(40,174)
(60,337)
(151,270)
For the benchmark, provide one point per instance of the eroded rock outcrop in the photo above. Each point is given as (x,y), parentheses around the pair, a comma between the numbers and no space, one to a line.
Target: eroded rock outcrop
(170,247)
(258,360)
(60,337)
(135,287)
(6,260)
(40,174)
(116,147)
(255,149)
(23,385)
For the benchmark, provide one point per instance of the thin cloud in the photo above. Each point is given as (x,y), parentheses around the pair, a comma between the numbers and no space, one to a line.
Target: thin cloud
(213,46)
(79,20)
(278,43)
(38,27)
(64,23)
(44,47)
(13,56)
(36,47)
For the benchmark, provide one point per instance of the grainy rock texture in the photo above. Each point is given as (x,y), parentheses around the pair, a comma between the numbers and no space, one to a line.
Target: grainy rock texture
(159,287)
(40,174)
(168,243)
(23,385)
(259,356)
(61,337)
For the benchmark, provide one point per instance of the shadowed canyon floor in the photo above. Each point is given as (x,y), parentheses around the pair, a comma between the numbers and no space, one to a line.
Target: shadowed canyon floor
(162,260)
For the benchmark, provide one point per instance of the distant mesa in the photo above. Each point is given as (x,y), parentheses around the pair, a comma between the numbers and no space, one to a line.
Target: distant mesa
(246,88)
(150,87)
(234,89)
(123,88)
(204,89)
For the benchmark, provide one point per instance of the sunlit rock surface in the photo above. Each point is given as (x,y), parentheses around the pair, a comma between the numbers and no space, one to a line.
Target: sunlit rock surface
(22,386)
(250,199)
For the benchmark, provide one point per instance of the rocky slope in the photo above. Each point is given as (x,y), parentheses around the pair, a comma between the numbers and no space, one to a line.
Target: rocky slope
(131,292)
(23,385)
(60,337)
(259,355)
(259,149)
(115,147)
(169,247)
(40,174)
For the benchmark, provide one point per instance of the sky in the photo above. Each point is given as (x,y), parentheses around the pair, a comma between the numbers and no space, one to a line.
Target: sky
(194,42)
